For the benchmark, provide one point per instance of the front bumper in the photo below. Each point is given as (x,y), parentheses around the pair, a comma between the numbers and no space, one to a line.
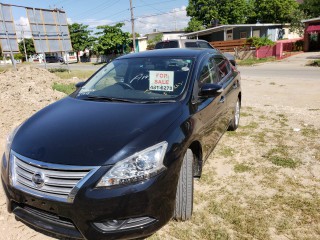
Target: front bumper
(152,199)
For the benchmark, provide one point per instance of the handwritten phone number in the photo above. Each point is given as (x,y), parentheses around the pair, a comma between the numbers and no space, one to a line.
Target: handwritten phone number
(161,88)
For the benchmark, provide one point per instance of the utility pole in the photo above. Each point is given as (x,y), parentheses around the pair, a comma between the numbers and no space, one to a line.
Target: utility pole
(132,24)
(175,20)
(24,44)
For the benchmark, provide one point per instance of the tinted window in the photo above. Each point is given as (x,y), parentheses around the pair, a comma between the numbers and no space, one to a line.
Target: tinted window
(167,44)
(223,67)
(204,45)
(208,72)
(191,45)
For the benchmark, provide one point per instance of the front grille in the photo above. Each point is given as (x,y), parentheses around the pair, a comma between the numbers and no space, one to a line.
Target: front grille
(49,181)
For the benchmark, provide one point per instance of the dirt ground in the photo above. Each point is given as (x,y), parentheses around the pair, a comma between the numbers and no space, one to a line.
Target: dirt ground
(261,182)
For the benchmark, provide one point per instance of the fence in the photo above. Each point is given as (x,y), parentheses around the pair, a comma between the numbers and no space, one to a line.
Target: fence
(231,45)
(243,50)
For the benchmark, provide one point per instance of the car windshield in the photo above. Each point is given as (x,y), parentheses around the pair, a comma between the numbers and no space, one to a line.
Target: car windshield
(139,80)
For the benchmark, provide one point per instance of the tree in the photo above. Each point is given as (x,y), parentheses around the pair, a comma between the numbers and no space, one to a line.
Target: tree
(273,11)
(203,10)
(194,25)
(80,37)
(311,8)
(225,11)
(234,11)
(111,39)
(296,25)
(240,11)
(152,42)
(29,46)
(136,35)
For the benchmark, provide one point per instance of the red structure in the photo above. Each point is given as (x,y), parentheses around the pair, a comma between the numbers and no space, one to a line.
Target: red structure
(312,34)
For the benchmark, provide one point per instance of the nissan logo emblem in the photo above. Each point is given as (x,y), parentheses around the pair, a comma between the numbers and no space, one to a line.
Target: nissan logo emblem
(38,179)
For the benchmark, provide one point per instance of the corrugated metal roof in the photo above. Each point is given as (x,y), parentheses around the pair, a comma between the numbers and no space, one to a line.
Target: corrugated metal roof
(219,28)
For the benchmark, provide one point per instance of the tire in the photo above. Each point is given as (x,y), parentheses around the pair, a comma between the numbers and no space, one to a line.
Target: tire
(184,196)
(234,124)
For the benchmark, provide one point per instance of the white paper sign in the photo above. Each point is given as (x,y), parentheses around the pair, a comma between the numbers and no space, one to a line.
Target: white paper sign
(161,81)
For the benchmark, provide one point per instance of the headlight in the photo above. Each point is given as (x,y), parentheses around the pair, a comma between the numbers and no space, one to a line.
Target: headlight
(138,167)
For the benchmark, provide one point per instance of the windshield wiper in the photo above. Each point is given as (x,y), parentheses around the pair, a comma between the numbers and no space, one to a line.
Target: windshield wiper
(107,99)
(160,101)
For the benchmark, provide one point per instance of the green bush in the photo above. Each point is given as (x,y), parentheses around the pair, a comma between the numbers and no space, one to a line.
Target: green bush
(259,42)
(298,45)
(53,70)
(18,56)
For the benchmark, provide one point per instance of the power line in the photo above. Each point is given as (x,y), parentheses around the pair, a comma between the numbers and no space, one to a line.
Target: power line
(127,9)
(89,12)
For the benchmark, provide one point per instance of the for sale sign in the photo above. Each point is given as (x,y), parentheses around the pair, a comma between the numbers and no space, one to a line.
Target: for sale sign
(161,81)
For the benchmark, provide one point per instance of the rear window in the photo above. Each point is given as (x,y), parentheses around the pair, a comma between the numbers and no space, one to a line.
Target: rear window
(198,44)
(191,45)
(167,44)
(204,45)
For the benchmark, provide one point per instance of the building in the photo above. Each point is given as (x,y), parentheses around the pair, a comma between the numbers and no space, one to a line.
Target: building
(312,34)
(243,31)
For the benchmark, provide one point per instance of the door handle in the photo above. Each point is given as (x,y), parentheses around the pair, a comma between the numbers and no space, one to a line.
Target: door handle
(222,99)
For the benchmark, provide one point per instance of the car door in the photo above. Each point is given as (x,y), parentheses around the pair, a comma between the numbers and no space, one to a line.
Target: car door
(230,80)
(210,111)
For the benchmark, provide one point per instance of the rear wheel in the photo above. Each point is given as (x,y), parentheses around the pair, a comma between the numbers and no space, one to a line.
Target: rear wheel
(234,124)
(184,195)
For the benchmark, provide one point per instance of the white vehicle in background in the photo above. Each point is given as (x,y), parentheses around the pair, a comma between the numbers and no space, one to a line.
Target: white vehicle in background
(71,57)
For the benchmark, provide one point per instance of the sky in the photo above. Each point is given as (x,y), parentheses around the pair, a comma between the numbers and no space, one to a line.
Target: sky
(165,15)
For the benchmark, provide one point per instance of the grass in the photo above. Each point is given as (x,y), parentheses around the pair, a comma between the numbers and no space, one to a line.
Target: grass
(314,63)
(241,168)
(255,185)
(245,114)
(251,125)
(280,156)
(253,61)
(227,152)
(310,131)
(65,88)
(64,74)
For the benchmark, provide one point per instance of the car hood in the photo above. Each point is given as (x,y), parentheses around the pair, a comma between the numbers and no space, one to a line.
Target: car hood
(87,133)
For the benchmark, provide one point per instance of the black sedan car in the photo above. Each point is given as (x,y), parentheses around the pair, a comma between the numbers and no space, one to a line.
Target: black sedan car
(117,158)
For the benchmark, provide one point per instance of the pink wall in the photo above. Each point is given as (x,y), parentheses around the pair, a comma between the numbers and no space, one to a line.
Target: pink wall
(276,50)
(266,51)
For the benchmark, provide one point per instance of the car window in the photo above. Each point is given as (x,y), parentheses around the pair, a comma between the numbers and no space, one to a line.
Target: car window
(204,45)
(208,73)
(191,45)
(167,44)
(223,67)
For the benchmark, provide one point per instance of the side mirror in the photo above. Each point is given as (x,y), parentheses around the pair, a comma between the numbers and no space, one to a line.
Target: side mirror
(79,84)
(210,90)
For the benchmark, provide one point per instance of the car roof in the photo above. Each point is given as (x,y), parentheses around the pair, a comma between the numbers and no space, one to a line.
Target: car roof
(185,40)
(173,52)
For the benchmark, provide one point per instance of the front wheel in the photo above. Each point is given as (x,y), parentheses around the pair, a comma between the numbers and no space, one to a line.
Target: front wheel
(234,124)
(184,195)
